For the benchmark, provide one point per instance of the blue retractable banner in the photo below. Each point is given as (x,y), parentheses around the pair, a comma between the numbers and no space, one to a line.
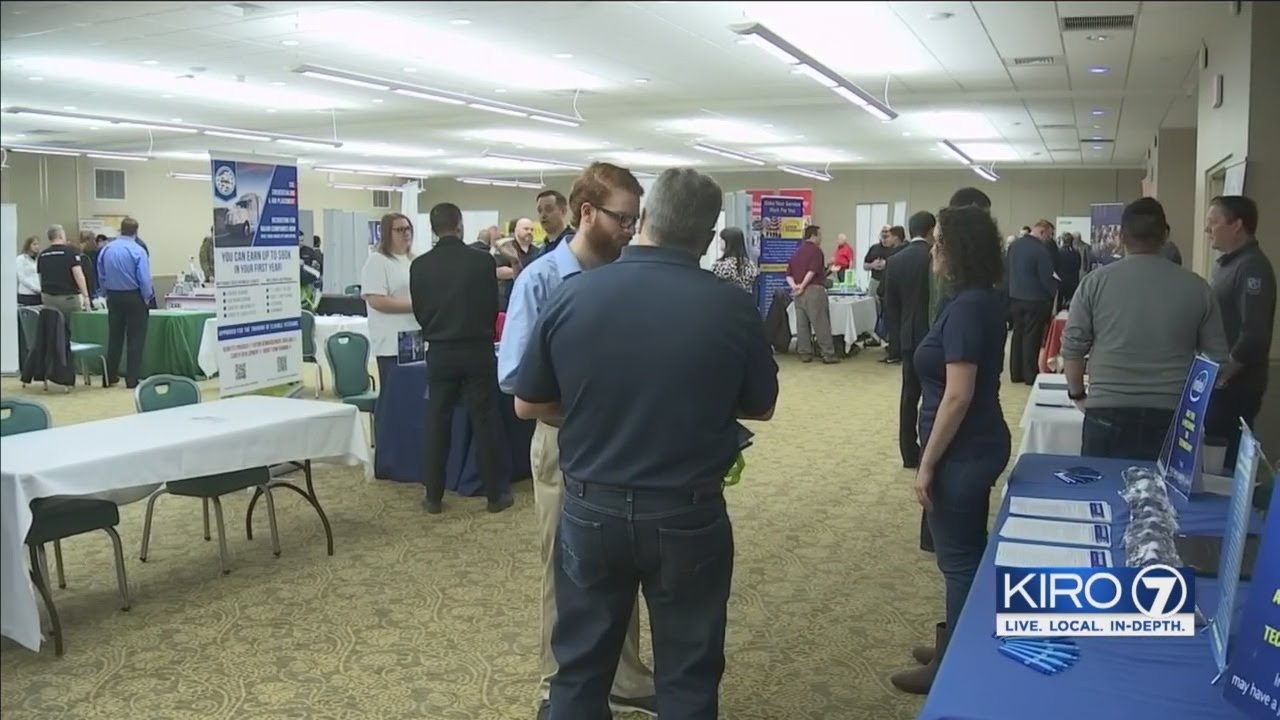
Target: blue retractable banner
(1253,674)
(1233,539)
(781,232)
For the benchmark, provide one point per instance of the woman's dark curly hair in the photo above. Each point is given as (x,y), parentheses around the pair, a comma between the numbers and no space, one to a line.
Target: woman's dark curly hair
(970,247)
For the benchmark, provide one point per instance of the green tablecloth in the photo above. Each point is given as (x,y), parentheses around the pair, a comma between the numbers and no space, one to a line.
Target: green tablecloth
(173,339)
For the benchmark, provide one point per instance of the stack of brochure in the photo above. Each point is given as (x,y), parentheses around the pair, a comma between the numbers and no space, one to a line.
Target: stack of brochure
(1055,533)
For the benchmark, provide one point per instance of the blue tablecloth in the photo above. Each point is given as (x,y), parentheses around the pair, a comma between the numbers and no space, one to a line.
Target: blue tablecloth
(1116,678)
(401,427)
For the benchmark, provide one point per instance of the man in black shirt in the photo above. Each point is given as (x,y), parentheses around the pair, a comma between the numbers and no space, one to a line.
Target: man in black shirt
(61,268)
(647,395)
(1245,286)
(455,299)
(906,310)
(1032,289)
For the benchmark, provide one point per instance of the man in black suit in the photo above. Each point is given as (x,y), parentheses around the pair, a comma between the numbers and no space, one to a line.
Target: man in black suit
(455,299)
(906,310)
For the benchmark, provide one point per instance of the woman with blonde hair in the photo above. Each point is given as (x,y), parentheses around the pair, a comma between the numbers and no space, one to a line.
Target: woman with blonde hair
(28,276)
(384,285)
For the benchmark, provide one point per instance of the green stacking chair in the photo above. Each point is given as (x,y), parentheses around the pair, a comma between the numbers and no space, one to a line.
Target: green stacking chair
(161,392)
(348,354)
(309,346)
(54,519)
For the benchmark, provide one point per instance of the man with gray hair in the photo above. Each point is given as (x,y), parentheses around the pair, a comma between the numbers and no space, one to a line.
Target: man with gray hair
(647,405)
(61,268)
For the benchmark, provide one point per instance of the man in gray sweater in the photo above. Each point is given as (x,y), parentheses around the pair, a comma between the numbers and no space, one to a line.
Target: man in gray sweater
(1141,321)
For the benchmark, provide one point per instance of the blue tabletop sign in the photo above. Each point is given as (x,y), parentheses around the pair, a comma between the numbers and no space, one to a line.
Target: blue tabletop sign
(1253,675)
(1233,539)
(1179,462)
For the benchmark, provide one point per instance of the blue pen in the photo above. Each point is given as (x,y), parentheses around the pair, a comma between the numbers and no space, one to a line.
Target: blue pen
(1062,647)
(1033,664)
(1057,664)
(1066,658)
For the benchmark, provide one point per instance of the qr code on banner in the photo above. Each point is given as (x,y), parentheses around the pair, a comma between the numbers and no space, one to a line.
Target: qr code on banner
(282,363)
(240,372)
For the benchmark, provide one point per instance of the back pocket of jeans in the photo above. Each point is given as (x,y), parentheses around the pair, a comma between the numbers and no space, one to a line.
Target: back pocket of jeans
(582,550)
(690,556)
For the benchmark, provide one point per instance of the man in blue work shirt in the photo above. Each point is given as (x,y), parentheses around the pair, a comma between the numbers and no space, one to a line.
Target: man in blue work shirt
(1032,287)
(124,275)
(606,205)
(649,394)
(552,212)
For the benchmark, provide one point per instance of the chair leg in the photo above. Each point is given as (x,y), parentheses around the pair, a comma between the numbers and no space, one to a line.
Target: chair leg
(271,519)
(121,580)
(248,516)
(373,437)
(42,587)
(320,378)
(44,563)
(222,535)
(104,371)
(146,524)
(57,562)
(205,503)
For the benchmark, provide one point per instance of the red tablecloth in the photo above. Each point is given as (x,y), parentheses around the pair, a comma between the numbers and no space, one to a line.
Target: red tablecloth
(1049,360)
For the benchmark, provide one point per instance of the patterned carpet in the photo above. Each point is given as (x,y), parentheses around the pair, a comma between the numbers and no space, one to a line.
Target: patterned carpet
(436,618)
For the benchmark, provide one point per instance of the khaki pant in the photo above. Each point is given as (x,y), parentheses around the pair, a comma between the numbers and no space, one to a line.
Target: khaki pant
(66,304)
(813,317)
(633,679)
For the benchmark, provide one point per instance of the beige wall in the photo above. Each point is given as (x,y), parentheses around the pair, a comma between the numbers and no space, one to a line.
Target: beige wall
(38,185)
(1019,198)
(1174,185)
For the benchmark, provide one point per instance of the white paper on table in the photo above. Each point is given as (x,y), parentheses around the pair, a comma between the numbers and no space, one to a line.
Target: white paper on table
(1089,510)
(1056,531)
(1011,554)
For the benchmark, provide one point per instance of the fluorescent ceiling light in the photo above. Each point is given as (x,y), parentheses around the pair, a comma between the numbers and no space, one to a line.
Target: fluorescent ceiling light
(237,135)
(152,126)
(988,151)
(532,139)
(43,150)
(116,156)
(955,124)
(491,164)
(534,161)
(725,130)
(428,96)
(985,173)
(344,80)
(348,186)
(400,152)
(382,170)
(433,46)
(725,152)
(304,143)
(1099,70)
(501,183)
(647,159)
(154,81)
(499,110)
(956,153)
(805,172)
(806,64)
(189,176)
(182,155)
(172,127)
(554,120)
(807,154)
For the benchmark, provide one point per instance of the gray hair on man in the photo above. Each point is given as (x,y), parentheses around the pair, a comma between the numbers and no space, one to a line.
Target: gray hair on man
(57,233)
(682,210)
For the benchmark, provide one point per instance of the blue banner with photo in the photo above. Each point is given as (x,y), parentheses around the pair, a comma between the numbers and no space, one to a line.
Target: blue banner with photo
(782,223)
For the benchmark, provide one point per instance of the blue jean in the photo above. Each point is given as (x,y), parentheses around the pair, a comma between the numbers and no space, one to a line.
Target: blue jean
(675,546)
(1131,433)
(958,521)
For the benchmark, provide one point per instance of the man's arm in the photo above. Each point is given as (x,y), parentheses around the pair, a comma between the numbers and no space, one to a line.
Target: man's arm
(527,297)
(418,292)
(759,392)
(537,389)
(1077,337)
(144,276)
(889,298)
(869,260)
(1256,296)
(101,271)
(1044,268)
(77,274)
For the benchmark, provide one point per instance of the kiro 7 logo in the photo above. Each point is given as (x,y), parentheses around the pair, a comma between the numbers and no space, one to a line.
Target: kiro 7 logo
(1156,600)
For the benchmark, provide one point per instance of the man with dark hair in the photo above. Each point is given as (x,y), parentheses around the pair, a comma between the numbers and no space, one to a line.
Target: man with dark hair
(124,273)
(1245,285)
(648,395)
(1032,288)
(1139,352)
(806,274)
(454,291)
(906,311)
(552,209)
(939,290)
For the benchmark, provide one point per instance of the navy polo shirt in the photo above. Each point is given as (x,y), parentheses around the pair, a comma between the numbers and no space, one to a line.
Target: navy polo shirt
(652,359)
(970,329)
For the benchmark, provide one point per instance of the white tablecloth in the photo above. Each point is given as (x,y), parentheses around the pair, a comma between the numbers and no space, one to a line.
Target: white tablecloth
(326,325)
(850,316)
(1050,430)
(151,448)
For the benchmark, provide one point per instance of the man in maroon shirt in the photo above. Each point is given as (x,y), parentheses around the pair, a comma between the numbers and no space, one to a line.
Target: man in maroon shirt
(806,275)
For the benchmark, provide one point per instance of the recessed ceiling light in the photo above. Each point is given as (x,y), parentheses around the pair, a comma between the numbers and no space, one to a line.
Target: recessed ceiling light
(1099,70)
(1097,147)
(91,127)
(941,16)
(289,43)
(460,21)
(499,90)
(1097,113)
(1097,127)
(376,100)
(564,56)
(35,78)
(68,107)
(906,133)
(150,62)
(1098,38)
(409,69)
(641,81)
(22,135)
(278,83)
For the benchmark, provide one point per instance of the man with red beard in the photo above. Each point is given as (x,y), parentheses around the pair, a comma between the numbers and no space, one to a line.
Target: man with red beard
(604,205)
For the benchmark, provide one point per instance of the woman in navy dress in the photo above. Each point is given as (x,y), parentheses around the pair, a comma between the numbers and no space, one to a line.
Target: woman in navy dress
(962,427)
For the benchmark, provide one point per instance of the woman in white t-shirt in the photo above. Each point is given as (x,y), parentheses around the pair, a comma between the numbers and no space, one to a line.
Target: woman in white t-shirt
(384,284)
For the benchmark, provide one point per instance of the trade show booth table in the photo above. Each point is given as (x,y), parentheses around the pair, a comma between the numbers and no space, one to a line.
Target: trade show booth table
(1116,678)
(1051,423)
(851,316)
(173,339)
(401,424)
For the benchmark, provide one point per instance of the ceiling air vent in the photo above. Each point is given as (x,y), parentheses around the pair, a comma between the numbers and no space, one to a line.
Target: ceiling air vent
(1093,23)
(1065,150)
(1097,141)
(45,132)
(1057,126)
(1031,61)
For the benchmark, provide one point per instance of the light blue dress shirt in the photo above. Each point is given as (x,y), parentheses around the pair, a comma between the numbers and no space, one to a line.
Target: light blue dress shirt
(528,296)
(123,265)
